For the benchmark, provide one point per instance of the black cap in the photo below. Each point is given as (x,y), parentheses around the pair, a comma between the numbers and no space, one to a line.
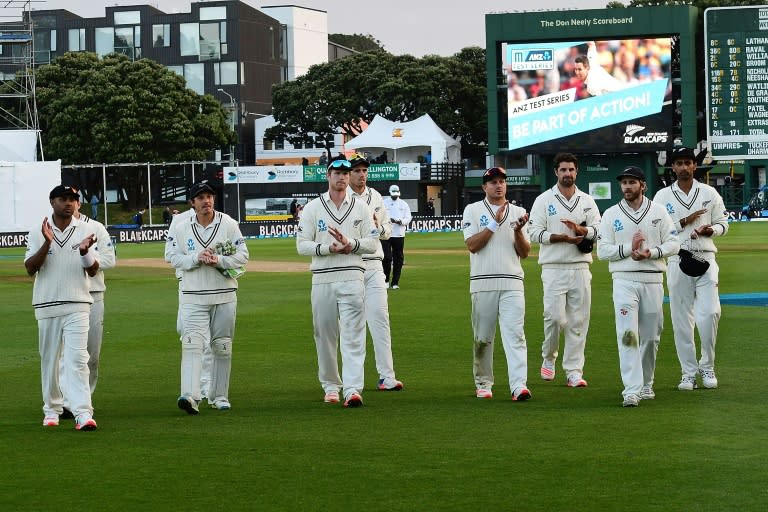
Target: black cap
(683,153)
(493,172)
(200,187)
(63,191)
(358,159)
(632,172)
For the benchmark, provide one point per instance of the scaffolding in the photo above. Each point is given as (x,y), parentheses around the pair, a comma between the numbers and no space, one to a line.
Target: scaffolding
(18,106)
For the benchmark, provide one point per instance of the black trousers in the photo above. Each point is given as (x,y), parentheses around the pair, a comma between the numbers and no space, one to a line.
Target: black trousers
(393,258)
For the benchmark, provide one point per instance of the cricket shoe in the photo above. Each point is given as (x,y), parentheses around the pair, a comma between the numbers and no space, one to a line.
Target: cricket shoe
(221,404)
(354,400)
(187,404)
(85,422)
(389,385)
(708,379)
(547,370)
(51,420)
(395,286)
(631,401)
(576,381)
(687,383)
(331,397)
(521,395)
(483,393)
(647,393)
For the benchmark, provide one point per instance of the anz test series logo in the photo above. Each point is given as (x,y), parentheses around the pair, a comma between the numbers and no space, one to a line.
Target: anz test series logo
(532,59)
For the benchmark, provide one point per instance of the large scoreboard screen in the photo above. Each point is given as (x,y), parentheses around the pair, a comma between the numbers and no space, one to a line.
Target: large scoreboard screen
(737,81)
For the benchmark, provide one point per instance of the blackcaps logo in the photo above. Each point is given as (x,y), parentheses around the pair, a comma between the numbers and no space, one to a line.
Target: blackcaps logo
(631,135)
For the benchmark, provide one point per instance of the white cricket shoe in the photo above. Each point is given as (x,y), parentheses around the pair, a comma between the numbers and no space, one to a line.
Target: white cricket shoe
(547,371)
(631,401)
(331,397)
(576,381)
(221,404)
(708,379)
(51,420)
(647,393)
(85,423)
(687,383)
(186,403)
(483,393)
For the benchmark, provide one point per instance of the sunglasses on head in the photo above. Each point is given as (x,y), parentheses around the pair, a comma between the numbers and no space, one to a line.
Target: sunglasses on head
(340,164)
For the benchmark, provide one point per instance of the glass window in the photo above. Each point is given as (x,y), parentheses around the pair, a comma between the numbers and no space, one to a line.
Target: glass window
(213,13)
(223,31)
(77,39)
(210,44)
(123,37)
(280,144)
(225,73)
(105,41)
(298,145)
(190,38)
(53,40)
(137,36)
(242,73)
(195,75)
(267,144)
(161,35)
(179,70)
(127,17)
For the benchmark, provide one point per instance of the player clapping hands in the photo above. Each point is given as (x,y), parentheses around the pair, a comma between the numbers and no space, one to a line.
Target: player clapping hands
(341,245)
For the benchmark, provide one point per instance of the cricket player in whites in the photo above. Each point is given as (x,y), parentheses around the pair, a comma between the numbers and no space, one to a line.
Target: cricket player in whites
(106,252)
(699,215)
(376,306)
(635,236)
(495,234)
(62,257)
(336,229)
(564,221)
(210,250)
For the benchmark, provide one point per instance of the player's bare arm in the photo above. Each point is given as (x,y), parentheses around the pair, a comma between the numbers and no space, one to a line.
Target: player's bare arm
(89,260)
(522,246)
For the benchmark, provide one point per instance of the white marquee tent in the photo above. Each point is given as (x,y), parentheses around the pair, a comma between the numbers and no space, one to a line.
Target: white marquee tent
(408,140)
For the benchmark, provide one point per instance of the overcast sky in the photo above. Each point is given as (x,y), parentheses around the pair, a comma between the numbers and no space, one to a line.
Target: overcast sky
(417,27)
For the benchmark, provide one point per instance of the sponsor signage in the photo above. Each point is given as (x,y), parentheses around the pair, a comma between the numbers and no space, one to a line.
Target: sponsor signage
(264,174)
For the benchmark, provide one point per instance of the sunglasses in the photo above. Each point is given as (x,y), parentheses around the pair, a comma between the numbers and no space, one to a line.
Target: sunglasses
(340,164)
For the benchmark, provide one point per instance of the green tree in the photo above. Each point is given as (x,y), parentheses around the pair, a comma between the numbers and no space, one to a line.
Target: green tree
(359,42)
(347,92)
(115,110)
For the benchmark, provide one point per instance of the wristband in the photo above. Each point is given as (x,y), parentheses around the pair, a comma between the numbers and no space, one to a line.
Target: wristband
(492,226)
(88,259)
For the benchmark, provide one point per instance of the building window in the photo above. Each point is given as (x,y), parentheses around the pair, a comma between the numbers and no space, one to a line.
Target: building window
(161,35)
(280,144)
(45,46)
(298,145)
(128,41)
(105,41)
(77,39)
(195,76)
(127,17)
(242,73)
(179,70)
(267,143)
(190,38)
(213,13)
(213,40)
(225,73)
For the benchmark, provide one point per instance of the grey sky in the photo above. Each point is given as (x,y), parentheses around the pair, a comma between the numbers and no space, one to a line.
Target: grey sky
(417,27)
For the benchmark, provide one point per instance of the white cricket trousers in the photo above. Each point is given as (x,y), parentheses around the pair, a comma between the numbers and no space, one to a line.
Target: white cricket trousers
(377,317)
(694,300)
(205,373)
(338,315)
(567,303)
(95,335)
(507,307)
(212,325)
(639,322)
(65,337)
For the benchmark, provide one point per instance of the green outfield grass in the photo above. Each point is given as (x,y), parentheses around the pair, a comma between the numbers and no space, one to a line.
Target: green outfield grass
(431,447)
